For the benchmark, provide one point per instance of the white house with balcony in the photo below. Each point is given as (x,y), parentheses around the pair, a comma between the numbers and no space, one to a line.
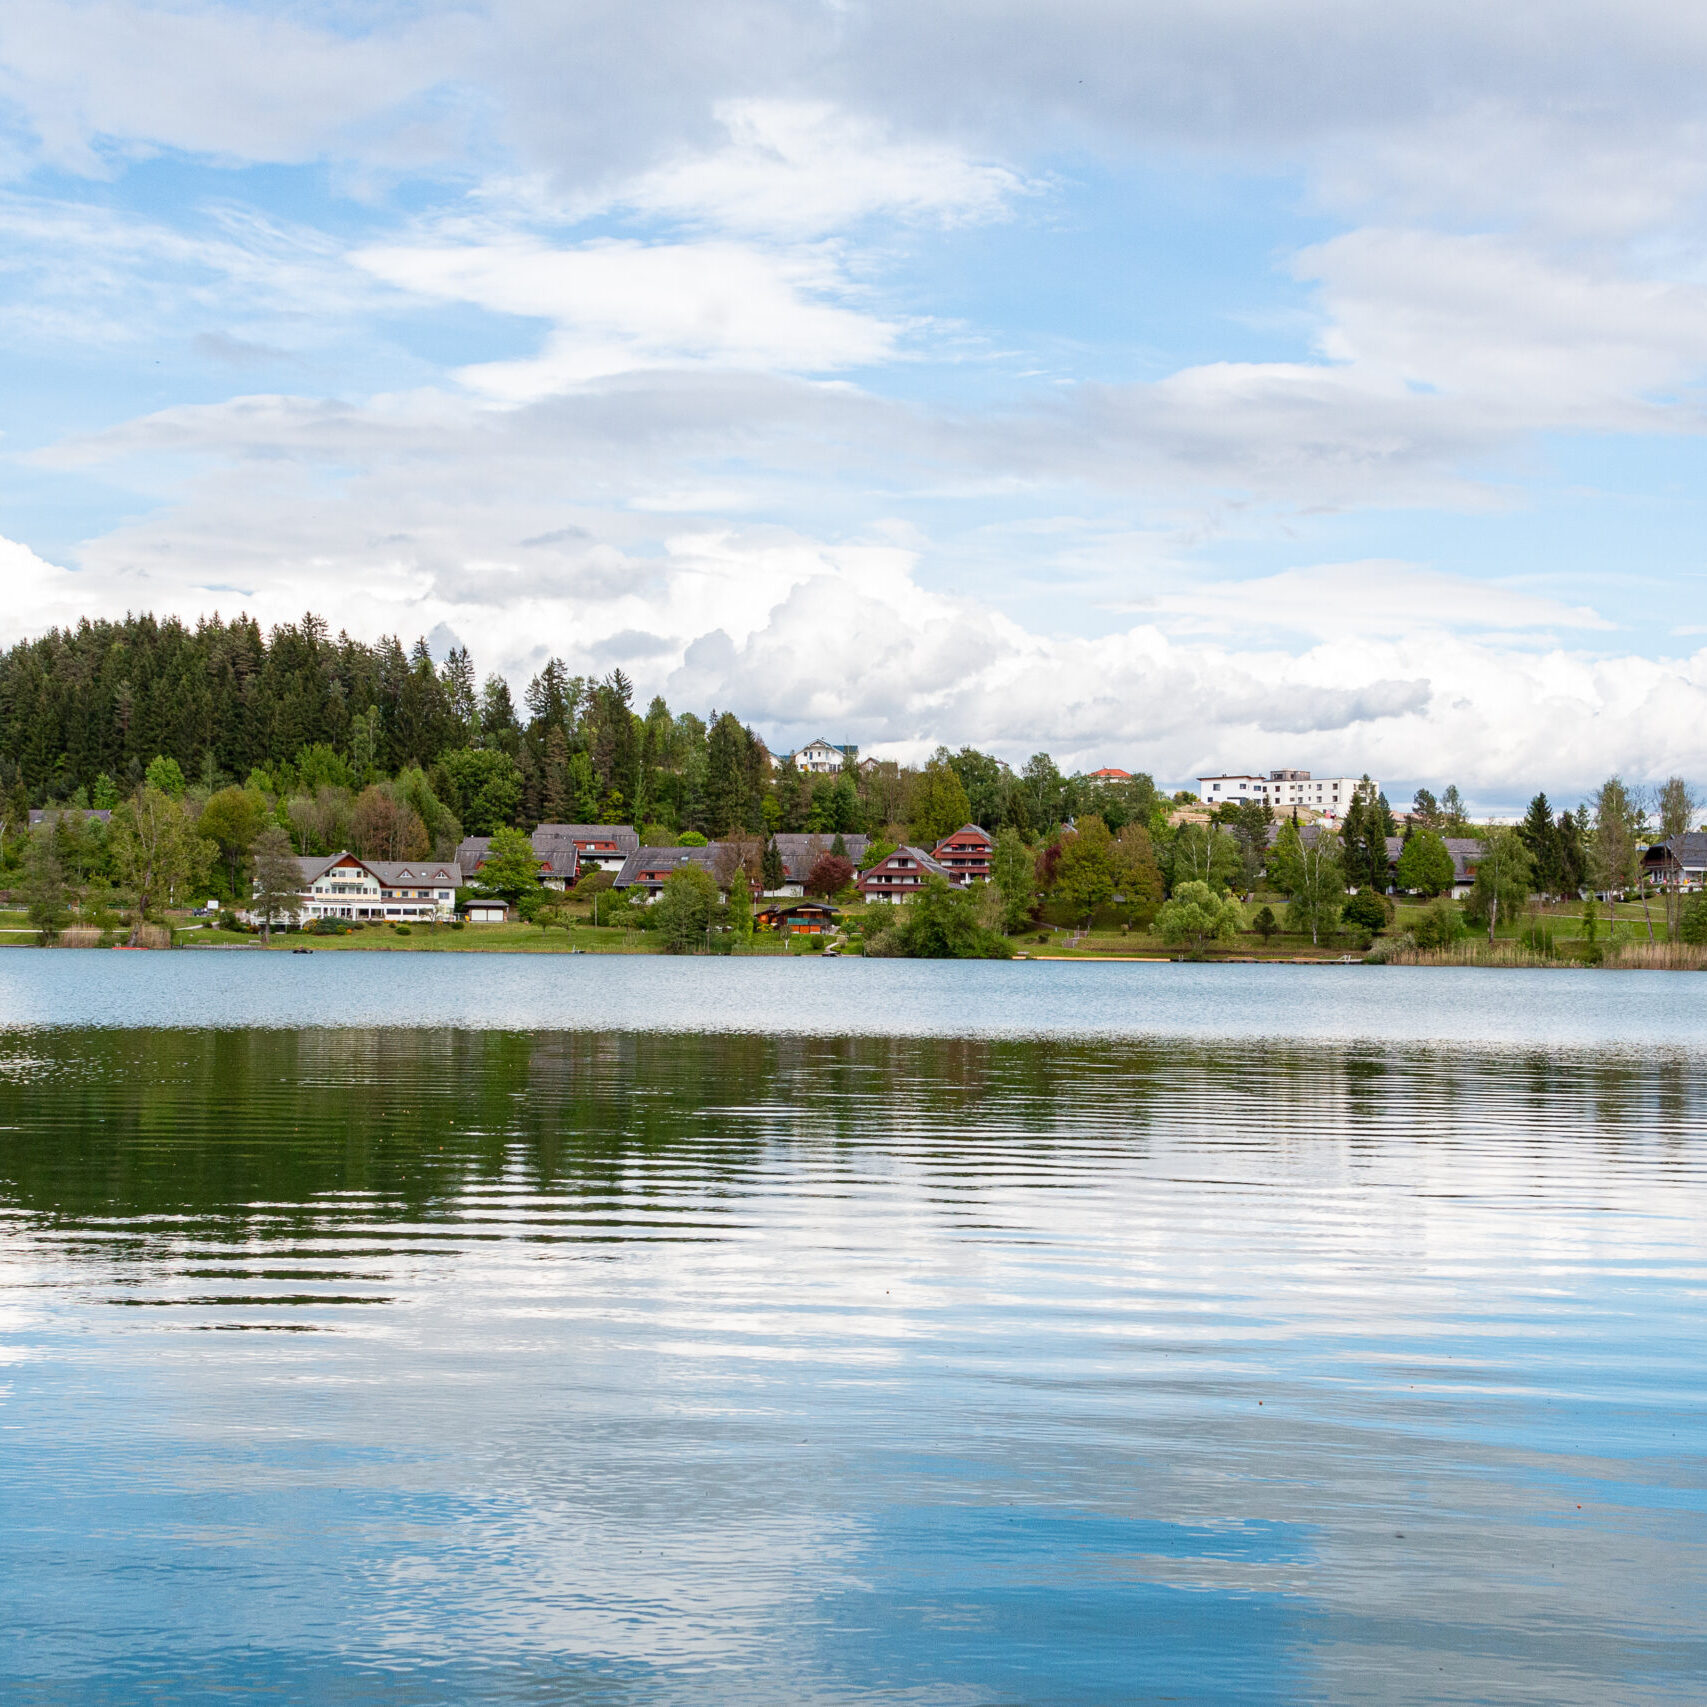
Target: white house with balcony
(823,758)
(341,886)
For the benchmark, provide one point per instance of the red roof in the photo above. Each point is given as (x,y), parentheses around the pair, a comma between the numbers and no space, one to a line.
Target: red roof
(1110,774)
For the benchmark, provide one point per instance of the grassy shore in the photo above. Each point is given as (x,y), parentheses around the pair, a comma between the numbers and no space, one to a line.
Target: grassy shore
(1622,940)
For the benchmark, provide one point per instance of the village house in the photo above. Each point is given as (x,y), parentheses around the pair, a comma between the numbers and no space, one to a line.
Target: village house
(1110,774)
(965,855)
(565,851)
(797,918)
(822,758)
(1679,862)
(801,850)
(900,876)
(341,886)
(1466,854)
(647,870)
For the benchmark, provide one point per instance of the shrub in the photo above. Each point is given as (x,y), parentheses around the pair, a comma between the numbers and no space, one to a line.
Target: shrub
(402,930)
(1368,910)
(1196,915)
(1265,924)
(1440,926)
(1692,924)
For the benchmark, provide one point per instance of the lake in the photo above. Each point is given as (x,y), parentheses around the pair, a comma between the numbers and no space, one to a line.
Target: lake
(415,1329)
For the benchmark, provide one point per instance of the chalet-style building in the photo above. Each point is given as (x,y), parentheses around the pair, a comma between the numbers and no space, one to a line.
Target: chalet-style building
(341,886)
(646,870)
(900,876)
(598,847)
(966,854)
(565,851)
(797,918)
(801,850)
(1679,862)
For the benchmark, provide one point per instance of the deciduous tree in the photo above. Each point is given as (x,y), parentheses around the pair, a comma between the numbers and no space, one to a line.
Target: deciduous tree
(277,880)
(1196,915)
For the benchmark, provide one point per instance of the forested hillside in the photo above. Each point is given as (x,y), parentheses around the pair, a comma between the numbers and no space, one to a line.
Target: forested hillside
(294,712)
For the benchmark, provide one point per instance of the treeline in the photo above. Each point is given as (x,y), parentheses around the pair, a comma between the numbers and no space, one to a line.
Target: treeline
(298,716)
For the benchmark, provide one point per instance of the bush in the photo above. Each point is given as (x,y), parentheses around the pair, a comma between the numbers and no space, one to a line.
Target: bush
(402,930)
(1692,923)
(1368,910)
(1440,926)
(459,924)
(1265,924)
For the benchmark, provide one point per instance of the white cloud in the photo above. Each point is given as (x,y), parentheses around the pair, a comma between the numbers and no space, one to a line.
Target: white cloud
(804,168)
(619,306)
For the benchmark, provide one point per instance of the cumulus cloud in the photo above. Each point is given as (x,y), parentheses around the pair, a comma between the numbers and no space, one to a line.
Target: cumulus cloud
(647,345)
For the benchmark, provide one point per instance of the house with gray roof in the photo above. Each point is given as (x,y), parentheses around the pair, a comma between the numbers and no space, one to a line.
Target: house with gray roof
(343,886)
(901,875)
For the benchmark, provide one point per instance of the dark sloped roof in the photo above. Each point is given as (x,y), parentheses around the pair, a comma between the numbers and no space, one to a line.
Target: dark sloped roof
(660,859)
(802,849)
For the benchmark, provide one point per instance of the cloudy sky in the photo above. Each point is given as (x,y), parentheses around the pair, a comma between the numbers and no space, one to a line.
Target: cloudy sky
(1169,383)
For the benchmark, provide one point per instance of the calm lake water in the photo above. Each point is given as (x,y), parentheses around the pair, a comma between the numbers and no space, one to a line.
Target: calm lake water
(408,1329)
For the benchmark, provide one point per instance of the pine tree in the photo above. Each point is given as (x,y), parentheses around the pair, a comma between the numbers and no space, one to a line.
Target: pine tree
(1541,837)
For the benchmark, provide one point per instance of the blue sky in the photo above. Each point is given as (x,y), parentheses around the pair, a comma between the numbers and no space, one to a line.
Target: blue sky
(1174,385)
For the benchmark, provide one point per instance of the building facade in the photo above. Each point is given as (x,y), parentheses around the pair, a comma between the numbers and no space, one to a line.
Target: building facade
(823,758)
(1282,790)
(900,876)
(341,886)
(966,855)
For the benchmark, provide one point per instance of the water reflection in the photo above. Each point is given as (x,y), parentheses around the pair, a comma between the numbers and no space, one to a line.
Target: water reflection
(419,1365)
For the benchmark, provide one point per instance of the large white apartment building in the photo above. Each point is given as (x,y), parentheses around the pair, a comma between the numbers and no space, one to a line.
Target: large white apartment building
(1329,795)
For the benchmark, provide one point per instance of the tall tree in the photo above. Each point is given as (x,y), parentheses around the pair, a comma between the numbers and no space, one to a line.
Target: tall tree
(1308,871)
(939,805)
(158,853)
(1541,837)
(1503,877)
(1677,809)
(277,880)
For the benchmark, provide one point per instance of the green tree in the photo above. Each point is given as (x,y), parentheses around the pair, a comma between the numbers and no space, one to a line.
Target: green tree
(1614,848)
(772,873)
(938,806)
(106,793)
(484,788)
(232,819)
(1503,877)
(1206,853)
(739,910)
(1541,836)
(1425,864)
(1454,814)
(165,775)
(685,909)
(1085,874)
(1196,915)
(1265,924)
(1308,872)
(511,868)
(1011,870)
(277,880)
(44,887)
(1677,808)
(942,923)
(157,851)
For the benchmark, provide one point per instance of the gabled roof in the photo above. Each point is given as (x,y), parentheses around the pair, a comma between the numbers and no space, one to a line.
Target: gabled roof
(801,850)
(625,836)
(977,830)
(662,859)
(923,860)
(103,814)
(1688,849)
(395,871)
